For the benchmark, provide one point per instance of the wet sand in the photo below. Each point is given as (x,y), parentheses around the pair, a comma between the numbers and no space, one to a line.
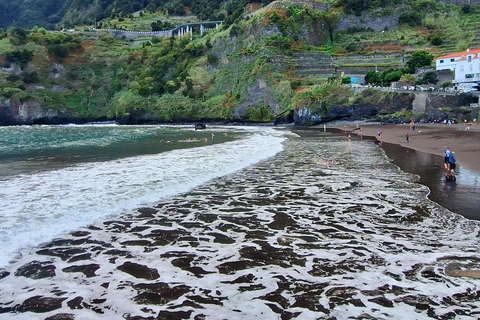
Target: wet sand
(423,156)
(433,139)
(285,238)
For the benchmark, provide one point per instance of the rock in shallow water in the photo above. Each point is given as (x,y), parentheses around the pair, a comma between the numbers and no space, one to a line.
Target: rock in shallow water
(36,270)
(139,271)
(40,304)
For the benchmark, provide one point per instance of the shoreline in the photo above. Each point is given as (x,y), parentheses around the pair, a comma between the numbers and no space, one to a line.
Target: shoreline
(423,156)
(430,138)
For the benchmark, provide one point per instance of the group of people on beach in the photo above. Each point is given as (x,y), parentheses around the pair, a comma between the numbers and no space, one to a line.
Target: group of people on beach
(449,164)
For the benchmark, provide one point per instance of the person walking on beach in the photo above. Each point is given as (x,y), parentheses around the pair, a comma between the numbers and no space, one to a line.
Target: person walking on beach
(407,137)
(446,158)
(452,162)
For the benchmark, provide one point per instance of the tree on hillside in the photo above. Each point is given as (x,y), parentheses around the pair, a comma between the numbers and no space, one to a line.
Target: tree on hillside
(408,78)
(430,77)
(372,77)
(419,60)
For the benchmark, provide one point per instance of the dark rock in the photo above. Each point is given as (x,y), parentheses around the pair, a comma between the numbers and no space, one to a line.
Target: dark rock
(278,298)
(187,303)
(221,238)
(119,253)
(61,316)
(40,304)
(88,270)
(164,237)
(75,303)
(248,278)
(174,315)
(356,302)
(7,309)
(4,274)
(382,301)
(207,300)
(62,253)
(141,243)
(139,271)
(36,270)
(232,266)
(139,229)
(98,301)
(129,317)
(158,293)
(147,212)
(80,257)
(185,264)
(80,233)
(200,126)
(344,292)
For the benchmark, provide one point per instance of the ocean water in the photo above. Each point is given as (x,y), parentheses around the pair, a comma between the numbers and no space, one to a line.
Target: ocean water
(55,179)
(258,223)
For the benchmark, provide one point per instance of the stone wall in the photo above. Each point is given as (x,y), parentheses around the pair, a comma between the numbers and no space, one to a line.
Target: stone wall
(367,20)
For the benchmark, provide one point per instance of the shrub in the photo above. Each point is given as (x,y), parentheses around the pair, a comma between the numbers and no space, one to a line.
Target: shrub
(466,9)
(21,57)
(419,59)
(235,30)
(411,18)
(260,113)
(436,41)
(428,77)
(212,58)
(30,77)
(295,84)
(445,84)
(351,47)
(372,77)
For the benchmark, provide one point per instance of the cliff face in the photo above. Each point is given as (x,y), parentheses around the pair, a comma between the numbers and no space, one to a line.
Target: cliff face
(436,107)
(263,63)
(33,113)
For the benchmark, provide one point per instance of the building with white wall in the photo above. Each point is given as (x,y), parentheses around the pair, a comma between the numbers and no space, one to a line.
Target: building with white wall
(466,65)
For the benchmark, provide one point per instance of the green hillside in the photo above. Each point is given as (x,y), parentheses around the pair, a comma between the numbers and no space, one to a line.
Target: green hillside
(282,58)
(54,14)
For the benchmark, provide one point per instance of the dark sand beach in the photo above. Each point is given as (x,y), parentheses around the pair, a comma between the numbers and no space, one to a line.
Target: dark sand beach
(423,156)
(434,139)
(287,237)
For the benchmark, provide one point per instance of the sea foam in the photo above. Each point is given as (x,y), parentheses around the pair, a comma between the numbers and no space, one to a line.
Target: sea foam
(39,206)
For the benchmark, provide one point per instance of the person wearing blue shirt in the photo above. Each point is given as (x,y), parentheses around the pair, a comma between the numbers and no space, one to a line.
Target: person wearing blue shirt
(446,158)
(451,161)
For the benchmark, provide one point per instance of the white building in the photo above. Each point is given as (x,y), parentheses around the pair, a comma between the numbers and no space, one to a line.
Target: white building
(466,65)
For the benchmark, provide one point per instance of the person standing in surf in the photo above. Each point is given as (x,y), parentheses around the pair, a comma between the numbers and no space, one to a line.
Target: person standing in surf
(452,163)
(446,158)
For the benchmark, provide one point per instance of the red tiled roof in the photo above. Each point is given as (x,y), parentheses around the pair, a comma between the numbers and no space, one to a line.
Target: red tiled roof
(465,57)
(460,54)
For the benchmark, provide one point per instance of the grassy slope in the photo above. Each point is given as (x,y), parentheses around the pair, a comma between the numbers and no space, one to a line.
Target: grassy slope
(111,76)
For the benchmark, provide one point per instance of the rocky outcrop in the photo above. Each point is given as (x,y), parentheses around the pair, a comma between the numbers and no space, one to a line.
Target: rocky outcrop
(33,113)
(424,106)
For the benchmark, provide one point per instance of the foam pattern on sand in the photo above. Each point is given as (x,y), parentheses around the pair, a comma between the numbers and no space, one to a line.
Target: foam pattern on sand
(285,238)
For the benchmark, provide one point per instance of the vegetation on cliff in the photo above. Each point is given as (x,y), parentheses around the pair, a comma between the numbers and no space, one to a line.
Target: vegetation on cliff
(241,71)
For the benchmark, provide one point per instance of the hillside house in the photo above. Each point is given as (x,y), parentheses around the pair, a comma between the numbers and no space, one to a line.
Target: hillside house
(465,64)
